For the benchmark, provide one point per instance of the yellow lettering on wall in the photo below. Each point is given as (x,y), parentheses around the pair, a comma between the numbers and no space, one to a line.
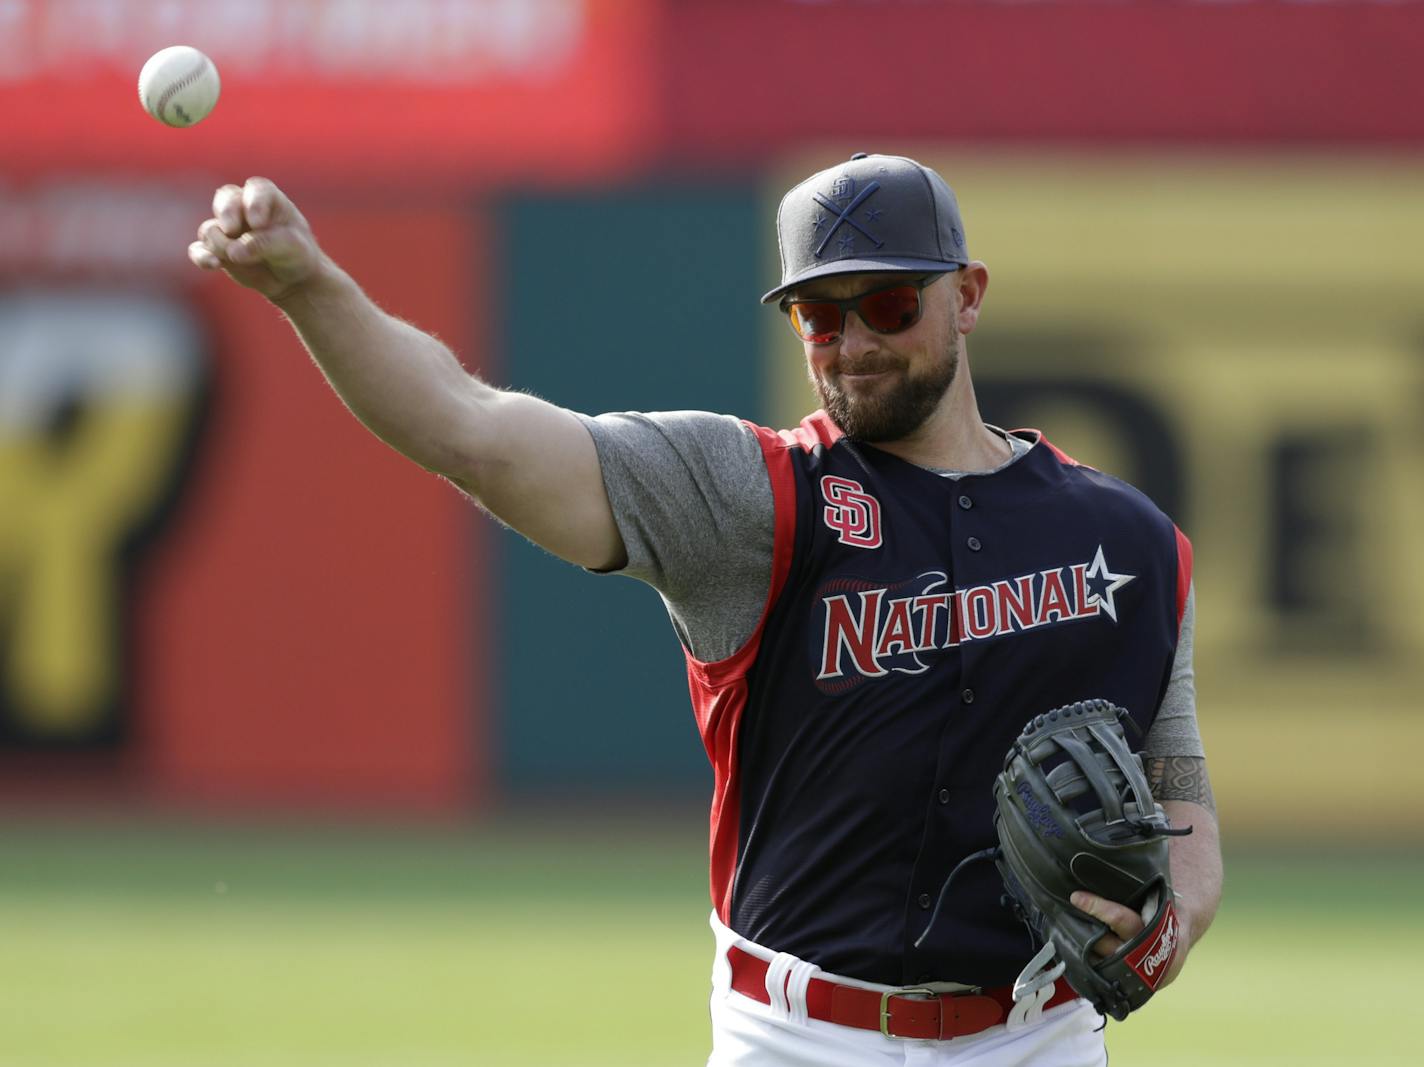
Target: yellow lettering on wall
(66,512)
(97,394)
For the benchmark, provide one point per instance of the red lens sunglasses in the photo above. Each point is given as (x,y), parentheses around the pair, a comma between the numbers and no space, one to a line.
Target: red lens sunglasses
(887,309)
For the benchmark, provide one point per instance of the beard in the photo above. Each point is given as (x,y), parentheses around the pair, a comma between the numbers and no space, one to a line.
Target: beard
(896,411)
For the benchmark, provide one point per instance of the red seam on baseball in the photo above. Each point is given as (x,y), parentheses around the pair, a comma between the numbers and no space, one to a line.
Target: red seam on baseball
(182,83)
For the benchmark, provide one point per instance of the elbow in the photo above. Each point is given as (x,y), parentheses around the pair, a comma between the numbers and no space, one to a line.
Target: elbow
(454,439)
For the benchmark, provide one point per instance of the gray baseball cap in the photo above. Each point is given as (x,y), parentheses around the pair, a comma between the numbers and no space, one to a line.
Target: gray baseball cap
(871,213)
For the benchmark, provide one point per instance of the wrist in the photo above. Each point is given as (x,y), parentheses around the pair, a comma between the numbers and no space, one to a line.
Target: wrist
(325,281)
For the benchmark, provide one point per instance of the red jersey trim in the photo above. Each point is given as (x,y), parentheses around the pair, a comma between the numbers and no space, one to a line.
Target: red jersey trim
(1063,457)
(815,429)
(1184,575)
(719,690)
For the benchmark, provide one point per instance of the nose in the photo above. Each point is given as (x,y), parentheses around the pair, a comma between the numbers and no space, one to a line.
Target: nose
(856,337)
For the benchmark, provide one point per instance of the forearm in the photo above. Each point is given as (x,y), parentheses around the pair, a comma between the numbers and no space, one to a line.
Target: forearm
(1196,866)
(1183,788)
(403,384)
(1181,785)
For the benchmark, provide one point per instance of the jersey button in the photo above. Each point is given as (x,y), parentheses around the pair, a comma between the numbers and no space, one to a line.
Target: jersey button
(965,503)
(974,545)
(924,901)
(967,696)
(944,796)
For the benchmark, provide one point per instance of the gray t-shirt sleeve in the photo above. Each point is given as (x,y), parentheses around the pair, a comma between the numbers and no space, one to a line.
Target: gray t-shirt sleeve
(692,498)
(1174,732)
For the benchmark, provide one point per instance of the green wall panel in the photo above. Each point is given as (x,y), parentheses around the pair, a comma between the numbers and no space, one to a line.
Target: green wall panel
(630,299)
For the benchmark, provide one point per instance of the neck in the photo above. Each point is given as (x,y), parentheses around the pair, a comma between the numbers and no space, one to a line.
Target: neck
(954,437)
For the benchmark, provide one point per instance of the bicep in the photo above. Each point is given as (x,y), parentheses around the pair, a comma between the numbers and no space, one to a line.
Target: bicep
(536,469)
(692,497)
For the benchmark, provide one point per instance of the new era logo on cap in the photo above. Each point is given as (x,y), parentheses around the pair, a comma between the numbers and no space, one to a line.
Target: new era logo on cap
(872,213)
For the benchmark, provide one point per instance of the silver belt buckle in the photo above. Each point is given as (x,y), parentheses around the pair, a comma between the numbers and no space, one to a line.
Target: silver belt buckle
(929,994)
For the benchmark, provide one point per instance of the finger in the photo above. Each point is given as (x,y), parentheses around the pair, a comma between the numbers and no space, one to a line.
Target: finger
(227,209)
(271,246)
(212,237)
(200,255)
(1108,944)
(264,204)
(245,249)
(1121,920)
(1099,909)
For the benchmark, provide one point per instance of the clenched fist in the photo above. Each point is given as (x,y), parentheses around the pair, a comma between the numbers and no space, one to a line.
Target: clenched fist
(259,238)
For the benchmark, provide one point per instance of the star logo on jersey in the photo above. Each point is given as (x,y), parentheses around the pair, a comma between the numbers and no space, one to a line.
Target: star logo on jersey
(1103,583)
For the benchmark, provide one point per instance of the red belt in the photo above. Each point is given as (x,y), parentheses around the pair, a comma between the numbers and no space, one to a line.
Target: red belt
(913,1013)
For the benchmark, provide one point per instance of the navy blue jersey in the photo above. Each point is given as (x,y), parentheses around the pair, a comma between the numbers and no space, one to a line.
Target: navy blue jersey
(915,623)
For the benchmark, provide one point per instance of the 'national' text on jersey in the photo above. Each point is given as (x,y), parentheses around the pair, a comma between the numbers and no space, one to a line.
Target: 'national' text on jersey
(879,633)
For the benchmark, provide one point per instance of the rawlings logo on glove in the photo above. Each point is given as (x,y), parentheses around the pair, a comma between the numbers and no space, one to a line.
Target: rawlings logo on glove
(1153,958)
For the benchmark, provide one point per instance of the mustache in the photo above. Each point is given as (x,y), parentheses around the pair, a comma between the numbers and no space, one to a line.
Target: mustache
(859,367)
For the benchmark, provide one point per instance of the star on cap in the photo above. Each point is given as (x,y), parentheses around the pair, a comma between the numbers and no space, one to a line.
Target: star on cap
(847,242)
(1103,583)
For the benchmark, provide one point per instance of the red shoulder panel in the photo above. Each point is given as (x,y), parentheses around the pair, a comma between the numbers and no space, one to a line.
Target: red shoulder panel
(1063,457)
(1184,574)
(815,429)
(719,690)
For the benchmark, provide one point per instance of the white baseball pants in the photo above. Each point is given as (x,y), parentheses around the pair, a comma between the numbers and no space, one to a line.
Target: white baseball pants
(747,1033)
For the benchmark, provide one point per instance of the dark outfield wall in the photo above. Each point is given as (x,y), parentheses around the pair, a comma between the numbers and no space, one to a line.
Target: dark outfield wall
(628,299)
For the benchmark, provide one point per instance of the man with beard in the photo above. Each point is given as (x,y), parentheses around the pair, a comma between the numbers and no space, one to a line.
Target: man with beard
(872,606)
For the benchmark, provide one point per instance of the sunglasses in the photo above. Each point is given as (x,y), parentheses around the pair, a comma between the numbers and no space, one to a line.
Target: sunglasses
(887,309)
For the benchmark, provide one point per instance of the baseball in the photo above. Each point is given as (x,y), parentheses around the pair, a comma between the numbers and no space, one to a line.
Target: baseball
(178,86)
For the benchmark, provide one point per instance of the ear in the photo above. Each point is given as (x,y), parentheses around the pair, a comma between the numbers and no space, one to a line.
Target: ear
(971,283)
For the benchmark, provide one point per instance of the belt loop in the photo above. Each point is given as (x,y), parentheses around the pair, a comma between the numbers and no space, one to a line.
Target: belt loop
(777,973)
(801,975)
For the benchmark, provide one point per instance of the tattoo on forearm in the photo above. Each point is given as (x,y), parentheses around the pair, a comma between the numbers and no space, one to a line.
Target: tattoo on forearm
(1180,778)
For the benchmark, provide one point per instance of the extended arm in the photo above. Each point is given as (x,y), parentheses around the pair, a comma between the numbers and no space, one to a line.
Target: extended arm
(530,463)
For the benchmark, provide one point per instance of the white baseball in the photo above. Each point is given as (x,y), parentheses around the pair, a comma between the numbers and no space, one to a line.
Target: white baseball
(178,86)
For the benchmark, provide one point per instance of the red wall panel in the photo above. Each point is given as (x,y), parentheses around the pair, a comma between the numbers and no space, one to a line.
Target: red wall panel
(747,78)
(306,630)
(311,638)
(371,91)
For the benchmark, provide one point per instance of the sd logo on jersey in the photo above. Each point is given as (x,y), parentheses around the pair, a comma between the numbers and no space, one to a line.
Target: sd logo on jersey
(852,512)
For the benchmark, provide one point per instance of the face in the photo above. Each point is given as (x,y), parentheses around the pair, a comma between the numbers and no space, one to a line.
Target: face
(877,386)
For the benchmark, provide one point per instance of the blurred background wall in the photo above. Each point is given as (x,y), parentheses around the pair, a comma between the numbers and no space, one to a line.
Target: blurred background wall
(219,594)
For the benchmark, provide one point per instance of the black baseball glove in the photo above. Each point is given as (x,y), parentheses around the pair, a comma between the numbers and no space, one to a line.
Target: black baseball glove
(1074,811)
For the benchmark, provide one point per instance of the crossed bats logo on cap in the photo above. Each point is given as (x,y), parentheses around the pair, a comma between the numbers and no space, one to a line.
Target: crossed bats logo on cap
(844,186)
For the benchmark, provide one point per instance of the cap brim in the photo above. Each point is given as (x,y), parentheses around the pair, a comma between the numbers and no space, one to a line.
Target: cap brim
(863,266)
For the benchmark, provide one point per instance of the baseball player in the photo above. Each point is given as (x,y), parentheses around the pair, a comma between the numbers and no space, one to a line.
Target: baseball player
(872,605)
